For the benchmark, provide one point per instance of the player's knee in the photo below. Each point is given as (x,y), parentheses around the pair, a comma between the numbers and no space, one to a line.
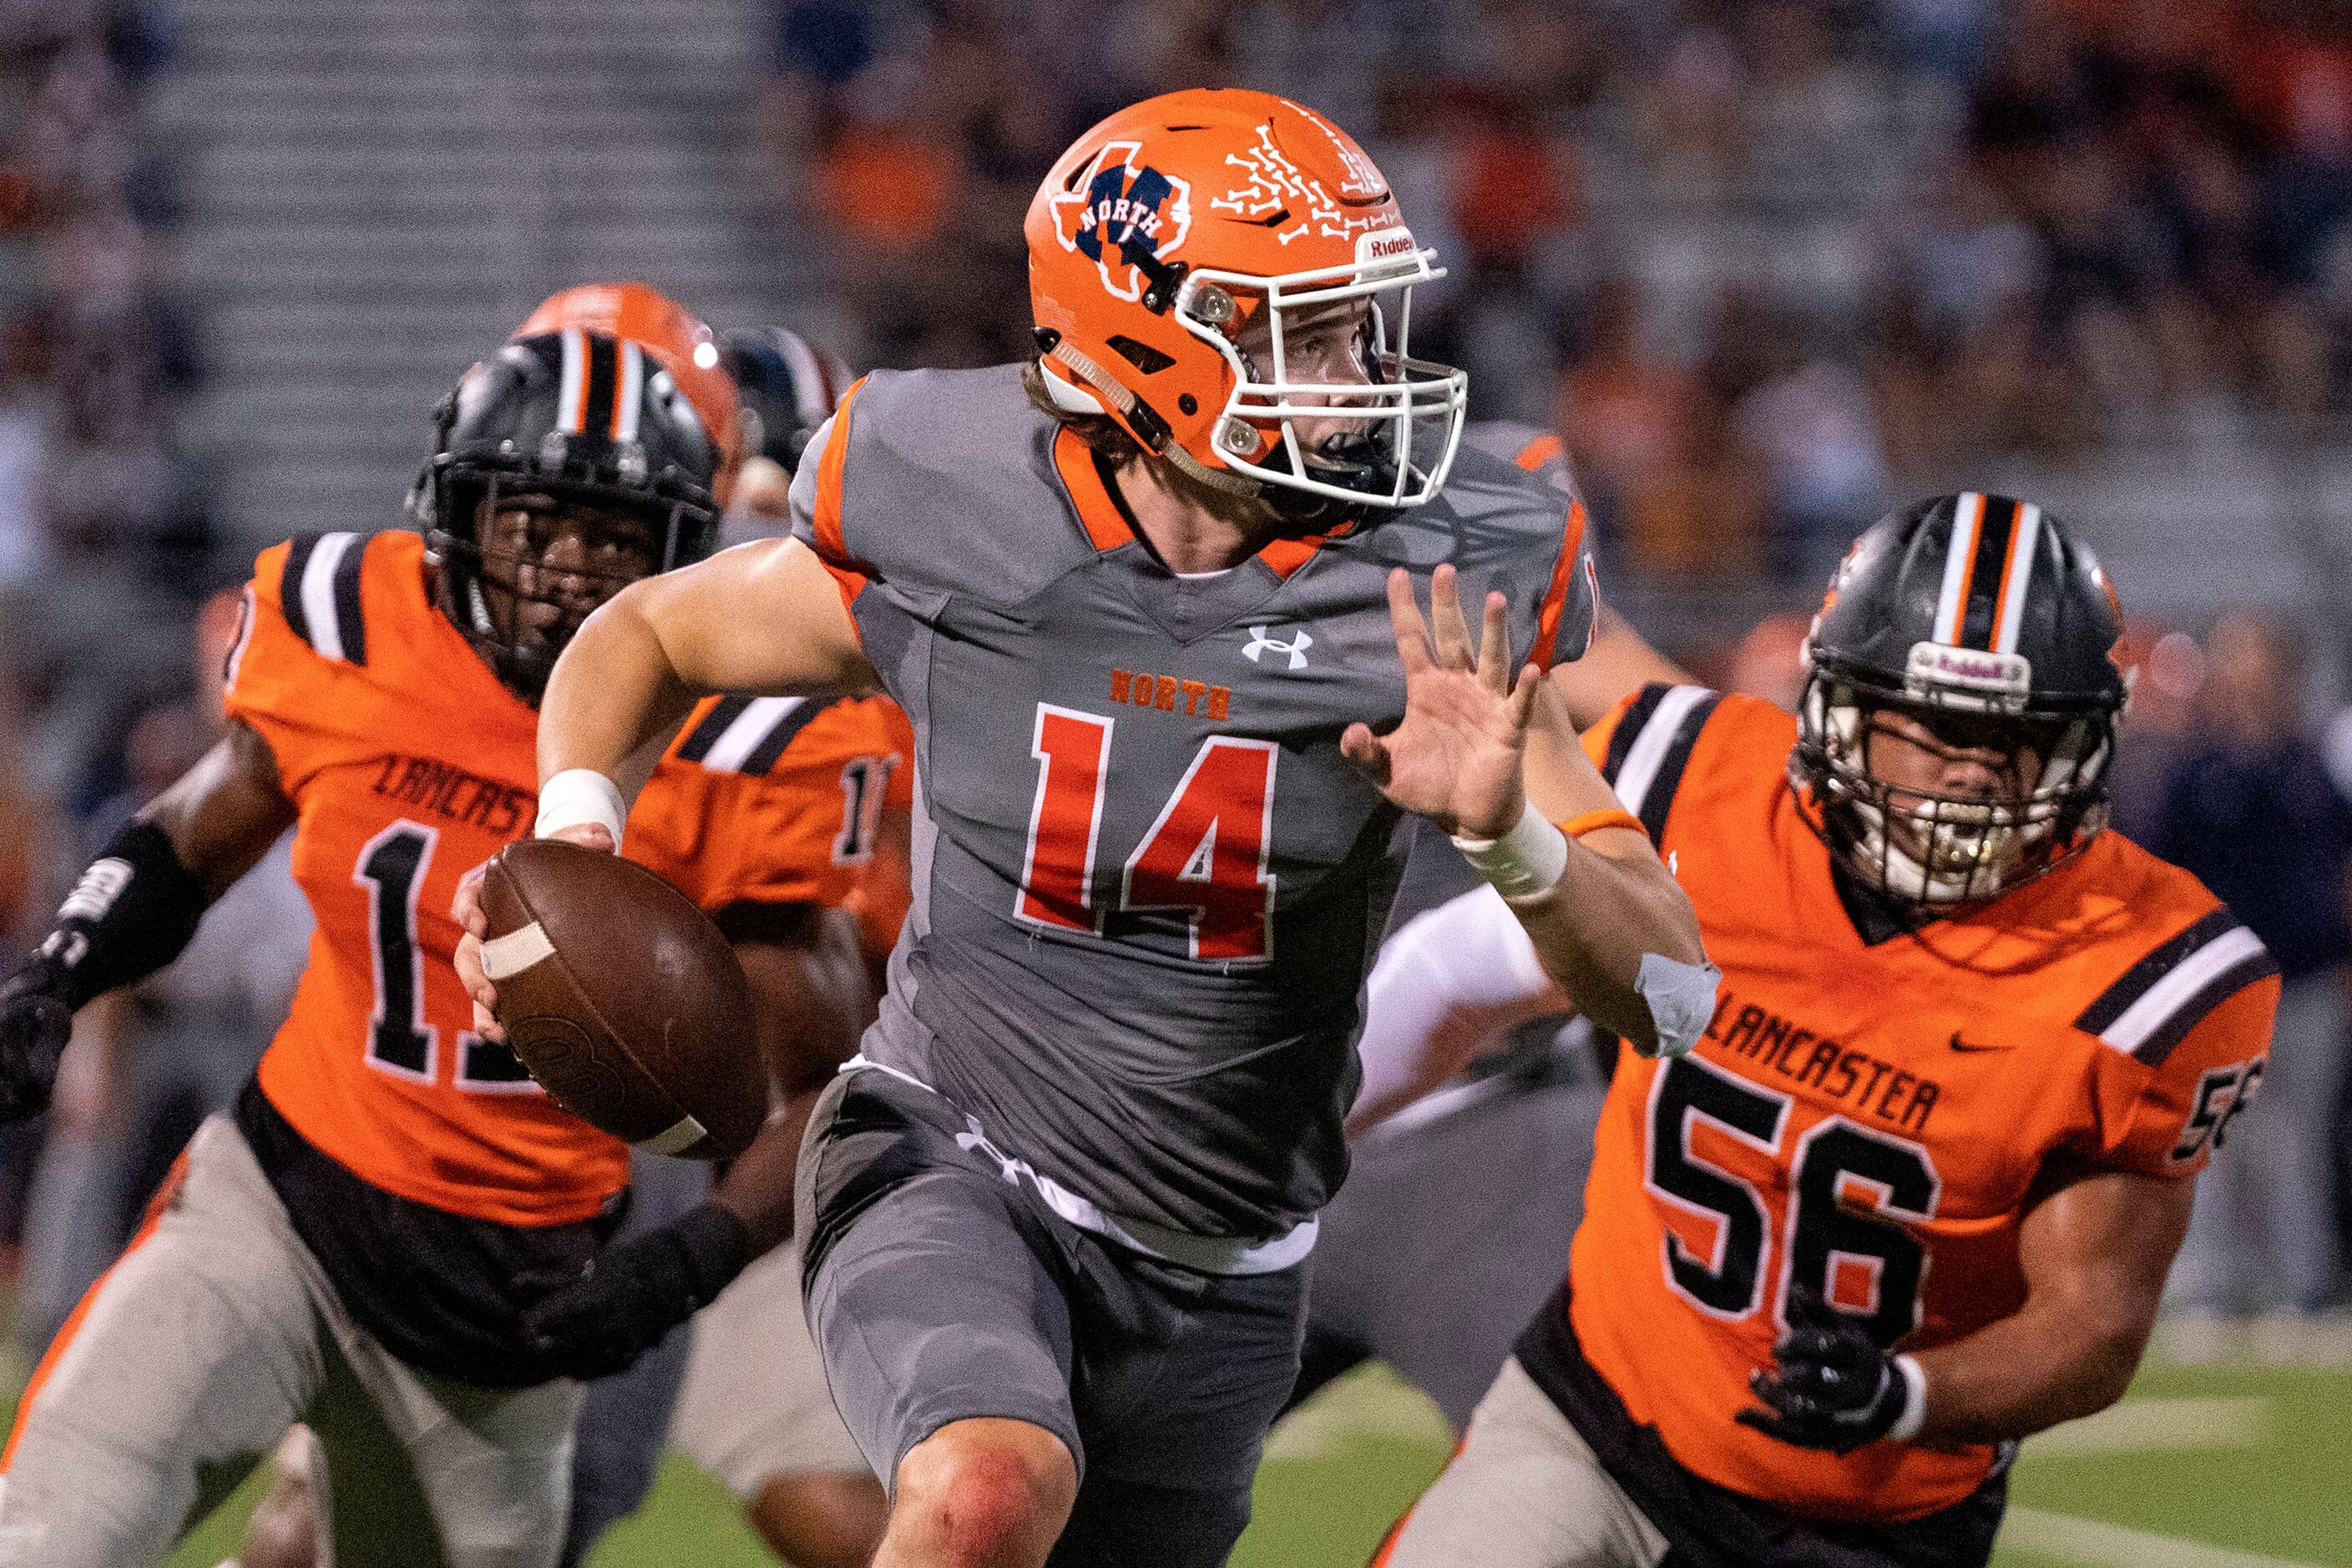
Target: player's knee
(986,1495)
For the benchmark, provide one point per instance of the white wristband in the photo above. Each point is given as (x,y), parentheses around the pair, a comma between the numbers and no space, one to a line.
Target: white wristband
(1523,863)
(579,795)
(1914,1401)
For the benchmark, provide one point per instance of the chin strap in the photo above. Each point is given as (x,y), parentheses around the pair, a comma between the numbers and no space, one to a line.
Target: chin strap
(1112,396)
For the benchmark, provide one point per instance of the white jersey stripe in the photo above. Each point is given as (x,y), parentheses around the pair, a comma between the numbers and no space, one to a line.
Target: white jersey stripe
(319,594)
(572,391)
(2017,581)
(1650,747)
(809,381)
(1952,604)
(628,398)
(2168,996)
(740,740)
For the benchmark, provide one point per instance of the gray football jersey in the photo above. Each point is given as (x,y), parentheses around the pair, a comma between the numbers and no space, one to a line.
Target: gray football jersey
(1147,885)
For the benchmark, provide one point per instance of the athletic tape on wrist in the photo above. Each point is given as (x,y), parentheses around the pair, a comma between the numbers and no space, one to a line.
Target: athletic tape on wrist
(1914,1399)
(1524,863)
(577,797)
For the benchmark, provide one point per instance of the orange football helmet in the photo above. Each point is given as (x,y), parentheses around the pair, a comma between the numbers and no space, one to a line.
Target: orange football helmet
(677,339)
(1185,254)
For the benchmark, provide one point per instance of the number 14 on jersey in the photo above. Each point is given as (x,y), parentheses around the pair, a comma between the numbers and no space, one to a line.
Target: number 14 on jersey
(1206,854)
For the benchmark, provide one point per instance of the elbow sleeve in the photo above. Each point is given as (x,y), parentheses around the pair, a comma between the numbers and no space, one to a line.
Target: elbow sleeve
(1468,954)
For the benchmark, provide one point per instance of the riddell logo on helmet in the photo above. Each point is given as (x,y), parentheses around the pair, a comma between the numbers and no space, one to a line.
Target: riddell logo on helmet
(1384,245)
(1120,206)
(1999,676)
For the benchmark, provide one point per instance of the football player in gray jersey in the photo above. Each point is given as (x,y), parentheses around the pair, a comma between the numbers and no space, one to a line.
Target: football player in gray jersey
(1151,603)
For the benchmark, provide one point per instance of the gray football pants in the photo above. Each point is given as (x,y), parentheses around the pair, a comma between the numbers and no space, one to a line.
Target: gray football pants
(214,1332)
(1525,1491)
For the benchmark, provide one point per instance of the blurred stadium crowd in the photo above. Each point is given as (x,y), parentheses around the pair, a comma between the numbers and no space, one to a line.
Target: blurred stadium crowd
(1767,265)
(1763,262)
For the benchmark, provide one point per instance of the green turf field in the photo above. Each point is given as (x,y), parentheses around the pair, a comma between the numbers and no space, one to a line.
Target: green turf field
(2226,1466)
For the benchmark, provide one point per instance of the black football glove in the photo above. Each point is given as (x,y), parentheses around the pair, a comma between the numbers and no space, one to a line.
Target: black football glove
(635,1291)
(36,1022)
(1833,1386)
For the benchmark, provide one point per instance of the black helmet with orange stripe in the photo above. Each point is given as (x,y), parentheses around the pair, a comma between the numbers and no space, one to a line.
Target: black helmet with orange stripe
(1990,630)
(567,466)
(788,386)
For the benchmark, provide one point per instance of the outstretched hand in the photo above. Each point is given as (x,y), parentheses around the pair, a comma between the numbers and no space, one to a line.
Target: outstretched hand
(1457,755)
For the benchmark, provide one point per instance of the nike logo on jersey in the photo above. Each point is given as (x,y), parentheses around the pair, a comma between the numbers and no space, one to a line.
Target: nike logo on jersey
(1960,1045)
(1260,645)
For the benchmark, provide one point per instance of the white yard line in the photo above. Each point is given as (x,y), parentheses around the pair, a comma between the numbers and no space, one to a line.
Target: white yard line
(2088,1542)
(2161,1425)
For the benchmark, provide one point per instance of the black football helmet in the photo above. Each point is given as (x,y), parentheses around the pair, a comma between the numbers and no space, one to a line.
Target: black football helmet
(587,421)
(789,387)
(1979,612)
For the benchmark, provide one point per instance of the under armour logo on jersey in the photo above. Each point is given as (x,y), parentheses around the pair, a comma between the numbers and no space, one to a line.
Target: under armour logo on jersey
(1260,645)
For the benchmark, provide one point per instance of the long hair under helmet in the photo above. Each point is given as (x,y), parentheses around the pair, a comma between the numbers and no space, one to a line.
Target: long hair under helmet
(1173,226)
(577,417)
(1974,605)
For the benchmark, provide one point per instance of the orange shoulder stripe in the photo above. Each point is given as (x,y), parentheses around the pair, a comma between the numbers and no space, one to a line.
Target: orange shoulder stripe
(1563,572)
(829,541)
(1541,450)
(1099,514)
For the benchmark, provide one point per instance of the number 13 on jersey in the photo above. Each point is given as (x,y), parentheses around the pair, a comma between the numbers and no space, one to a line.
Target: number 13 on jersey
(1205,853)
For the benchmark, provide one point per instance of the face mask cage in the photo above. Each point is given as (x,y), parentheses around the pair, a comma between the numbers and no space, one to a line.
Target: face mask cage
(475,578)
(1933,850)
(1407,414)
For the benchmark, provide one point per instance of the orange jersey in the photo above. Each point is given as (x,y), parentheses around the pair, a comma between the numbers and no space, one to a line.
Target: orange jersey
(409,766)
(1870,1121)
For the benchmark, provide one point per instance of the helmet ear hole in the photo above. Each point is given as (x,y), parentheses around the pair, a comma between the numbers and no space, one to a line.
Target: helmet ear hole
(1142,357)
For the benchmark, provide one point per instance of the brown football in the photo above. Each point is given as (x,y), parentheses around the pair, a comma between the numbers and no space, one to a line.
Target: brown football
(623,999)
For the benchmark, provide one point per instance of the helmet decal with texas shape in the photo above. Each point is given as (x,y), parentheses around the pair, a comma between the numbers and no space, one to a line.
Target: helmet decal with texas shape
(1225,275)
(1129,220)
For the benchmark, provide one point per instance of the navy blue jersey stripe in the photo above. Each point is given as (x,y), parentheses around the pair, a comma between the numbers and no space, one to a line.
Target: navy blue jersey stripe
(603,386)
(1629,729)
(290,585)
(349,620)
(1977,629)
(706,734)
(2141,977)
(1660,797)
(772,745)
(2211,994)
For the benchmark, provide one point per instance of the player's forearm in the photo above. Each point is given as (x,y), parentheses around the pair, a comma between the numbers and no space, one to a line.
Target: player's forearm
(2094,1251)
(139,903)
(809,991)
(758,1187)
(2057,1359)
(1607,915)
(1615,903)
